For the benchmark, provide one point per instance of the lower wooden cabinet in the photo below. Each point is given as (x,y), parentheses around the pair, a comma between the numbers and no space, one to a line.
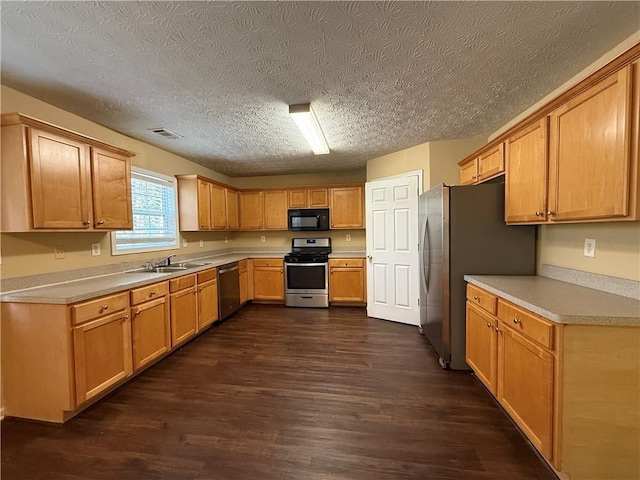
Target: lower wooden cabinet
(151,331)
(573,389)
(347,281)
(268,279)
(243,273)
(482,345)
(184,309)
(102,354)
(207,298)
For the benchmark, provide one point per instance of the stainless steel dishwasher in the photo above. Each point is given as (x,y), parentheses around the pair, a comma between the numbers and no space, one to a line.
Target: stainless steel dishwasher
(229,279)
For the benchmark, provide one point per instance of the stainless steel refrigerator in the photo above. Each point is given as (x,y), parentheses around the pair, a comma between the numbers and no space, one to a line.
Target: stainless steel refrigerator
(462,231)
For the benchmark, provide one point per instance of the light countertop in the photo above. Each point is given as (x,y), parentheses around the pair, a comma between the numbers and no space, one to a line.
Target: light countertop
(561,302)
(92,287)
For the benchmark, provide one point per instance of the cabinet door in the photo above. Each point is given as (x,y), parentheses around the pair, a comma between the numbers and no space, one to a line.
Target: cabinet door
(526,175)
(218,203)
(275,209)
(298,198)
(346,284)
(233,220)
(590,152)
(244,285)
(111,185)
(482,346)
(204,205)
(102,354)
(347,207)
(184,311)
(469,172)
(318,197)
(491,162)
(525,387)
(268,283)
(207,304)
(60,181)
(151,331)
(251,210)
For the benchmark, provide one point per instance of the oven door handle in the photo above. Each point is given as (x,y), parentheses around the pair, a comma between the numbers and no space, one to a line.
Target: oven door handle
(321,264)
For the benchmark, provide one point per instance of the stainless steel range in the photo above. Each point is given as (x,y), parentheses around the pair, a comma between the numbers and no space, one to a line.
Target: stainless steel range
(306,273)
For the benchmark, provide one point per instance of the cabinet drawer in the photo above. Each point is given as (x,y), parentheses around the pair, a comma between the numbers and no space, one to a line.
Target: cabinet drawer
(482,298)
(142,294)
(207,275)
(346,262)
(181,283)
(96,308)
(268,262)
(526,323)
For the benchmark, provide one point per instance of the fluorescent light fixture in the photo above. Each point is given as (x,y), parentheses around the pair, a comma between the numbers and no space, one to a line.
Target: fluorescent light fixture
(309,126)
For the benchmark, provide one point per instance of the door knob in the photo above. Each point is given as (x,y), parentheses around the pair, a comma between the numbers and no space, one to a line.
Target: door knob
(370,257)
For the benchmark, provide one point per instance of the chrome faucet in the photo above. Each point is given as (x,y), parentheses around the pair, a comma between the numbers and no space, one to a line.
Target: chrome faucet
(165,262)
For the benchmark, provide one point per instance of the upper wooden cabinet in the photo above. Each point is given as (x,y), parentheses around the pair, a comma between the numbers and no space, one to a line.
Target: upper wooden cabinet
(204,205)
(526,177)
(590,167)
(252,210)
(56,179)
(275,209)
(580,163)
(312,197)
(488,164)
(346,207)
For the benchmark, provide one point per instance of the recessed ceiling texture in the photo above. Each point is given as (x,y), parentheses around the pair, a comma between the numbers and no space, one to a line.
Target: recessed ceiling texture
(381,76)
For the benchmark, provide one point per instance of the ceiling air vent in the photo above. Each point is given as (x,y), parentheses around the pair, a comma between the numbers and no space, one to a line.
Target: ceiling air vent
(163,132)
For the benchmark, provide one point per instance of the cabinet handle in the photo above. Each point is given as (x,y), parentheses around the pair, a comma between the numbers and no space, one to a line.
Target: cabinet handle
(152,293)
(105,307)
(200,290)
(497,329)
(539,214)
(475,297)
(101,222)
(551,213)
(515,320)
(86,222)
(136,313)
(489,325)
(125,317)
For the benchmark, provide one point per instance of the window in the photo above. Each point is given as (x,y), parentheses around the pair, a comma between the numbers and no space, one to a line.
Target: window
(155,219)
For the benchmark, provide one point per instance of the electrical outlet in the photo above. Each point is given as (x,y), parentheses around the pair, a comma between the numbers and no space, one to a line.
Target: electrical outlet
(58,252)
(184,242)
(95,249)
(348,237)
(589,247)
(263,238)
(226,239)
(201,243)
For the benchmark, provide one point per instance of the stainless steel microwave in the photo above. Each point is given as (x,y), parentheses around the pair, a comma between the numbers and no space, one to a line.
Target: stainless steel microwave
(308,219)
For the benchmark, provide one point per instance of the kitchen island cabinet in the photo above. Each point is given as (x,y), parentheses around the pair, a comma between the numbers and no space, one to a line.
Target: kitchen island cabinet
(55,179)
(572,386)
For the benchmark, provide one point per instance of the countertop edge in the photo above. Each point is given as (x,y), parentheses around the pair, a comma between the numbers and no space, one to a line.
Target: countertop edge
(552,316)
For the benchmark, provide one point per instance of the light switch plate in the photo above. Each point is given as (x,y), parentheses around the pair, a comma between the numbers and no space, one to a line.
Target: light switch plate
(589,247)
(201,243)
(263,238)
(95,249)
(184,242)
(348,237)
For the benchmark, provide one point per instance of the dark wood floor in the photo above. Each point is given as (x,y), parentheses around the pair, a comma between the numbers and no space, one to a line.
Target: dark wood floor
(277,393)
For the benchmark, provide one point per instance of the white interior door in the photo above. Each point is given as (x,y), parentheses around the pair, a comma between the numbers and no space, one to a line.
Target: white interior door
(392,248)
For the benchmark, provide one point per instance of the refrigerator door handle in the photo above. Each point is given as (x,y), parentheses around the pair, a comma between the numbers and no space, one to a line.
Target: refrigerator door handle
(426,256)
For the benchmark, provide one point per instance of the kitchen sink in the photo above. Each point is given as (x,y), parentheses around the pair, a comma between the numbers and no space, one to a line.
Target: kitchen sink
(170,269)
(178,267)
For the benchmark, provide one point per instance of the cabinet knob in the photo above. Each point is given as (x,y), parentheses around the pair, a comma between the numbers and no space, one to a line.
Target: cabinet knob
(477,298)
(551,213)
(515,320)
(497,329)
(489,325)
(539,214)
(137,312)
(105,307)
(86,222)
(101,222)
(152,293)
(125,317)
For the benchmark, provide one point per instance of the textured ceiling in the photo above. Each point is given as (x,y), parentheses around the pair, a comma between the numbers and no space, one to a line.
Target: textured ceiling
(381,76)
